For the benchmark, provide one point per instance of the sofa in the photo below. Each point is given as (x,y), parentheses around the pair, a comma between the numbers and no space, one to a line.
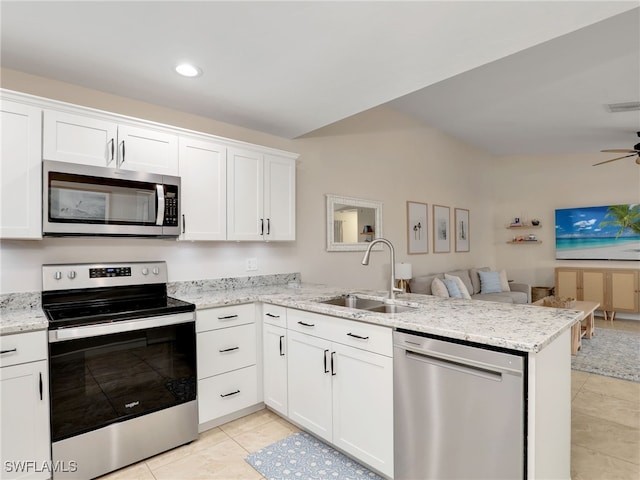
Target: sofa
(471,278)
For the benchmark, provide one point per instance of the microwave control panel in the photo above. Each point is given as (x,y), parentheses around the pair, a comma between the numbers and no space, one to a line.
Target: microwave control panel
(170,207)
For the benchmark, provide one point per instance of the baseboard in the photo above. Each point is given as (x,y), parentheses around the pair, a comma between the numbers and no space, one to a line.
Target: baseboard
(216,422)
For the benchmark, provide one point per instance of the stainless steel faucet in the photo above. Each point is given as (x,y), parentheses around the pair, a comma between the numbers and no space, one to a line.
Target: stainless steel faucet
(392,284)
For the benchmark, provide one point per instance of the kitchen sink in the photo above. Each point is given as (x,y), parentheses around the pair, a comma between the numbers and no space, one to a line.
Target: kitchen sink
(352,301)
(392,308)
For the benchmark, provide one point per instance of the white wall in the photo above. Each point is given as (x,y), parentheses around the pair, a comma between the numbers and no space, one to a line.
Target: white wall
(379,154)
(535,186)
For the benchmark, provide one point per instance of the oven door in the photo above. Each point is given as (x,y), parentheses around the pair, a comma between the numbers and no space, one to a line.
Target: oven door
(108,373)
(88,200)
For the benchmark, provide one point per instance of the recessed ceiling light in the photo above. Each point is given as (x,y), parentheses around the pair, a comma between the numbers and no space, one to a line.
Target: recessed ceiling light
(623,107)
(188,70)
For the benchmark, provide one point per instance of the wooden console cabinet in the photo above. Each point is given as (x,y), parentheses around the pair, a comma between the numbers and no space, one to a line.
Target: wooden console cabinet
(615,289)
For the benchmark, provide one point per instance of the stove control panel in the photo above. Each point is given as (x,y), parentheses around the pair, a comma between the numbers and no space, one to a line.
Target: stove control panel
(110,272)
(87,275)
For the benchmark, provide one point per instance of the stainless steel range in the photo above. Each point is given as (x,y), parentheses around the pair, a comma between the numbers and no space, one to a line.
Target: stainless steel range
(122,360)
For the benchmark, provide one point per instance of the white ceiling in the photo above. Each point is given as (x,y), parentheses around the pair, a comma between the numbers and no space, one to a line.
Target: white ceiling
(510,77)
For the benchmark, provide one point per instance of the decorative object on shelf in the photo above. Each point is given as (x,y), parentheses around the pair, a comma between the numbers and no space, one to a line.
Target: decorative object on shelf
(535,222)
(403,273)
(559,302)
(441,229)
(516,222)
(417,238)
(461,216)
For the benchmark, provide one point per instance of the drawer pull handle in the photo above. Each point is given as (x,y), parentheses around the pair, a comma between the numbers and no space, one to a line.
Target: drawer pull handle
(272,315)
(357,336)
(229,349)
(228,317)
(229,394)
(281,345)
(40,385)
(2,352)
(307,324)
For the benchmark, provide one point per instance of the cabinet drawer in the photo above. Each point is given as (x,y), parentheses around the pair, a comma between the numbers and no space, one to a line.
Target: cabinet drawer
(274,315)
(226,349)
(373,338)
(227,393)
(223,317)
(23,348)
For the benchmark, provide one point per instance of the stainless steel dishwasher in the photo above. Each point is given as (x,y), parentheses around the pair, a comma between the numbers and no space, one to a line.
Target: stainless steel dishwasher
(459,410)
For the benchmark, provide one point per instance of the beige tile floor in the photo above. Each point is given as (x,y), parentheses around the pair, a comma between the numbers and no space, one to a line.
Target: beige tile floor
(605,436)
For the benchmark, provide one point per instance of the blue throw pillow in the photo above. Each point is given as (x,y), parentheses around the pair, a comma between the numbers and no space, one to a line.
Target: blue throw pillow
(490,282)
(452,288)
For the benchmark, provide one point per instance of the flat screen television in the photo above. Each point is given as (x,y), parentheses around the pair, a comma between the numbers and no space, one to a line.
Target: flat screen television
(609,232)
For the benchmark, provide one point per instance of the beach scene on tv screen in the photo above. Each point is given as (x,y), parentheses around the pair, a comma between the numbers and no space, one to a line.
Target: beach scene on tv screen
(609,232)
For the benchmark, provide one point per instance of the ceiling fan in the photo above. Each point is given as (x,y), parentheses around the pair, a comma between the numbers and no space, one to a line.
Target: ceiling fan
(633,153)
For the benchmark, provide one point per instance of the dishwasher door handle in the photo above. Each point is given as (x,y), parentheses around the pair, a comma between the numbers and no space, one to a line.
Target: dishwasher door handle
(458,365)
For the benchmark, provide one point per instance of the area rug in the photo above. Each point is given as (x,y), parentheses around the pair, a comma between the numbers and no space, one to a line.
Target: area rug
(612,353)
(302,456)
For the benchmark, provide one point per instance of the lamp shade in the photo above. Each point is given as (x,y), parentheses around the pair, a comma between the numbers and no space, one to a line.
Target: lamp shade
(403,271)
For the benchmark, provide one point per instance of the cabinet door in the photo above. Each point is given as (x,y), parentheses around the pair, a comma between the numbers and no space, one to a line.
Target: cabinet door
(79,139)
(146,150)
(245,177)
(279,198)
(20,171)
(593,286)
(309,381)
(203,173)
(623,290)
(568,283)
(275,367)
(24,409)
(363,406)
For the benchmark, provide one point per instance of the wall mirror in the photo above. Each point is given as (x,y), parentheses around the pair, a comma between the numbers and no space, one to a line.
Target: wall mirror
(352,223)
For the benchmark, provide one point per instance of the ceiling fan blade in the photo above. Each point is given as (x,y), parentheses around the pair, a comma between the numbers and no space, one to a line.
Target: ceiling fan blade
(619,158)
(618,150)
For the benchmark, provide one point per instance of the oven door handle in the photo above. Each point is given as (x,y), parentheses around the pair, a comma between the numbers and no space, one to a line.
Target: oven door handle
(87,331)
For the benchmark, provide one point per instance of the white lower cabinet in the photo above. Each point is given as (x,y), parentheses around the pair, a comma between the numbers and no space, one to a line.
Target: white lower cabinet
(25,444)
(274,351)
(227,361)
(340,384)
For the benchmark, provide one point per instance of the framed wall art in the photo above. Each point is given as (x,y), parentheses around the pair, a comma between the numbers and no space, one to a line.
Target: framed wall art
(461,223)
(417,237)
(441,229)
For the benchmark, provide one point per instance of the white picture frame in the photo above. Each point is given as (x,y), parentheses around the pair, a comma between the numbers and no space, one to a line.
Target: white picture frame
(441,229)
(417,231)
(462,232)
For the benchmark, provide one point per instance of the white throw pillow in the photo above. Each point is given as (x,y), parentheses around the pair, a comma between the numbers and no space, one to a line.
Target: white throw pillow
(439,289)
(463,288)
(504,282)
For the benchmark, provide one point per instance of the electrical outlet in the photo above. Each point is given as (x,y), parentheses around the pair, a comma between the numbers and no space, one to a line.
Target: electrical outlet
(252,264)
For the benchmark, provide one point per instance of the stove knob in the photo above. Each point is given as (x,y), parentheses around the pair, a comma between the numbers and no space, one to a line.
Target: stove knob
(71,275)
(57,275)
(145,271)
(156,270)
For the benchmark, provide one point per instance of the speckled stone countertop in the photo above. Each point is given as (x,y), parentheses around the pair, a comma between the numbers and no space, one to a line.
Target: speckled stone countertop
(525,328)
(519,327)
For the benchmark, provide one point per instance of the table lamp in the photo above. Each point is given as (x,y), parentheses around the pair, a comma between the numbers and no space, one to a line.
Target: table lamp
(403,273)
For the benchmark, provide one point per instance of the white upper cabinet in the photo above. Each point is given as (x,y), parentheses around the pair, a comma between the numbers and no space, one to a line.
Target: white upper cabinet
(203,171)
(105,142)
(20,171)
(260,196)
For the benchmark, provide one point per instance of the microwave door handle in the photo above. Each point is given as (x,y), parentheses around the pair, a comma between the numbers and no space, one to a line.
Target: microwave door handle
(160,196)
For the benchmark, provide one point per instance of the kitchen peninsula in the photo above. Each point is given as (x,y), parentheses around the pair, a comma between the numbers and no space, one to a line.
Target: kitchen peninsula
(541,335)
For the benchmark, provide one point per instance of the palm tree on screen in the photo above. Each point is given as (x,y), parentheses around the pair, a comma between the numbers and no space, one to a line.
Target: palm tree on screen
(624,217)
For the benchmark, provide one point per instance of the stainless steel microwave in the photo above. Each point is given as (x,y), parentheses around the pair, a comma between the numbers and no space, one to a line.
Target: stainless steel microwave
(84,200)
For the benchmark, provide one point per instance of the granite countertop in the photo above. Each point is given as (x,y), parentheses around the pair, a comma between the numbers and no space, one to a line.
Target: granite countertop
(525,328)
